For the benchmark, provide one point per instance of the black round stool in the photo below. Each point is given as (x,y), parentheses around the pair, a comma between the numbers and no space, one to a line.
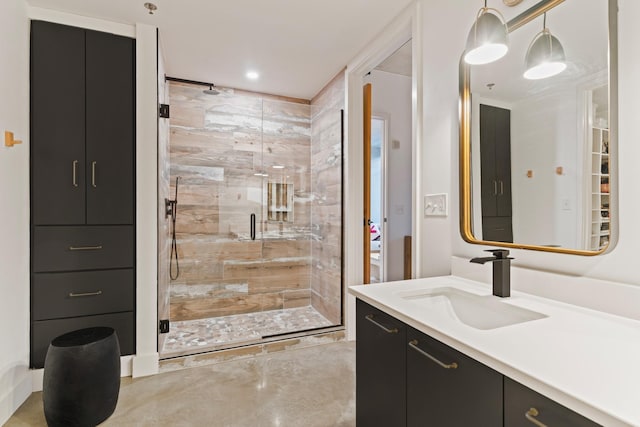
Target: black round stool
(81,377)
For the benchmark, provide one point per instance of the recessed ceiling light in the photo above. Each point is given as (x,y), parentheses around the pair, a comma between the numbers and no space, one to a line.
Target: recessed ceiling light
(277,167)
(252,75)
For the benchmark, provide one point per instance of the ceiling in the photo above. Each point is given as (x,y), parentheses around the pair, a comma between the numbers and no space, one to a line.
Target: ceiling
(297,46)
(399,62)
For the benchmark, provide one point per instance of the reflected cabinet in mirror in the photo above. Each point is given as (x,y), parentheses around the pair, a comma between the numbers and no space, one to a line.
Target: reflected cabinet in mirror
(537,152)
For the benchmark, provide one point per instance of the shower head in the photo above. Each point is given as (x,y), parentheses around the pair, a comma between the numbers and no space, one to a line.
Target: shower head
(211,90)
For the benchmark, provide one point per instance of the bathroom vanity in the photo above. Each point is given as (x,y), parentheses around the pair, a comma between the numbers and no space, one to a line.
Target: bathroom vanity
(443,351)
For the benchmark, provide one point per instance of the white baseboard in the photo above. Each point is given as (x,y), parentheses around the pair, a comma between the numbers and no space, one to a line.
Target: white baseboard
(145,364)
(14,397)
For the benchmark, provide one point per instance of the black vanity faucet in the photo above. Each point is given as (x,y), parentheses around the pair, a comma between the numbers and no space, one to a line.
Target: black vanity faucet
(501,271)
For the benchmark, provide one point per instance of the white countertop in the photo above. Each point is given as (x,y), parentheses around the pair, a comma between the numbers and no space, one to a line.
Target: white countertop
(586,360)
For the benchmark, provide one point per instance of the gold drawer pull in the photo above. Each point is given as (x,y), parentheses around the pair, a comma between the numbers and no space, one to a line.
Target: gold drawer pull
(74,173)
(93,174)
(369,317)
(531,415)
(85,248)
(85,294)
(414,345)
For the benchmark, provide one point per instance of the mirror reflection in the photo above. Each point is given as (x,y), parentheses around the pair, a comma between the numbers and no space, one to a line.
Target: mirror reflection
(540,148)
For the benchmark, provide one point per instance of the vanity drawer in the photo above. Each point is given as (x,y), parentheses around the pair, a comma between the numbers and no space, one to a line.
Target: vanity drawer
(520,400)
(42,332)
(57,295)
(82,248)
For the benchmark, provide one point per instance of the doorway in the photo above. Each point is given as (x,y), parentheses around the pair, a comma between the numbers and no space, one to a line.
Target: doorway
(389,175)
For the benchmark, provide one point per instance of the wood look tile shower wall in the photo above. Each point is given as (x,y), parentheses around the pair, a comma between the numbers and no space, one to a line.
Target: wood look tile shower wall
(217,144)
(326,208)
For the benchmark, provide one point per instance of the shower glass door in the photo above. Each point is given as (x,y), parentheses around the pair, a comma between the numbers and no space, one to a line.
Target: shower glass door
(245,230)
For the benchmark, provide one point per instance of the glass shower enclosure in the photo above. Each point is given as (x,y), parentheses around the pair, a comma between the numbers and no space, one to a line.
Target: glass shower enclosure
(258,225)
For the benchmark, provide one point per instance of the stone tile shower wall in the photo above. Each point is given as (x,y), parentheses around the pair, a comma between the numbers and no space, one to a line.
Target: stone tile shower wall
(217,146)
(326,208)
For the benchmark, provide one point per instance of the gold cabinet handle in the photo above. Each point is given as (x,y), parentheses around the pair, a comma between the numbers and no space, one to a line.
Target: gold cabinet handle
(531,415)
(495,188)
(501,188)
(74,173)
(369,317)
(84,294)
(93,174)
(85,248)
(414,345)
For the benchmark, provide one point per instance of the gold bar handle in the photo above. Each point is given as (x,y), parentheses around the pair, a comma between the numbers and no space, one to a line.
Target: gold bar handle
(369,317)
(495,188)
(74,173)
(531,415)
(93,174)
(85,248)
(501,188)
(414,345)
(85,294)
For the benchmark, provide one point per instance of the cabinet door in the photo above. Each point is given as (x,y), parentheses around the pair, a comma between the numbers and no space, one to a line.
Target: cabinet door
(503,160)
(57,124)
(440,393)
(522,405)
(380,368)
(488,175)
(110,129)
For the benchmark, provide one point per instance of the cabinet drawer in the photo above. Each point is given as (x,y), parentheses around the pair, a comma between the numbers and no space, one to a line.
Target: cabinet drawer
(43,332)
(449,388)
(518,400)
(82,248)
(497,228)
(57,295)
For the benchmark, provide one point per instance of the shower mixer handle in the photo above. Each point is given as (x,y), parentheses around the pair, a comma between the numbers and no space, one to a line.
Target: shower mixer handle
(252,226)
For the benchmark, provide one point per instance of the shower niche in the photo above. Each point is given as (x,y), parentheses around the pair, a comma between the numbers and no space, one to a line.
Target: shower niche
(280,201)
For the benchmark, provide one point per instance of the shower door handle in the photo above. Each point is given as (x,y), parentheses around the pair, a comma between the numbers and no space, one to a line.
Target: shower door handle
(253,226)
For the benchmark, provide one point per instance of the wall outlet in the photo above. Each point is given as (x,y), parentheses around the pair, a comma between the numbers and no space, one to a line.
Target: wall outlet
(435,205)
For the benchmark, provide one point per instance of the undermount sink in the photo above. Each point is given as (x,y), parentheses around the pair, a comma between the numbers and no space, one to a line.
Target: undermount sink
(478,311)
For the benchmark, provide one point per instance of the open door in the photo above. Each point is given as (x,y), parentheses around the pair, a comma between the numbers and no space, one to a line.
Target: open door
(367,183)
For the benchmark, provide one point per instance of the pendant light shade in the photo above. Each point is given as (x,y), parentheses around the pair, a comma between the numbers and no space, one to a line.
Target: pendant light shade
(488,39)
(545,56)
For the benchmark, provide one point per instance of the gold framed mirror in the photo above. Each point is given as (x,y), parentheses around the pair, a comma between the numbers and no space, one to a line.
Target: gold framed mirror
(538,166)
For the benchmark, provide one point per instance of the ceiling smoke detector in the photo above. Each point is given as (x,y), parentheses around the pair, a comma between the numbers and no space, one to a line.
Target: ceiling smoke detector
(151,7)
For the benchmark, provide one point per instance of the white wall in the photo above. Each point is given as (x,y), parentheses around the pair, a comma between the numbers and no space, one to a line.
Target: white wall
(15,381)
(391,99)
(544,136)
(443,45)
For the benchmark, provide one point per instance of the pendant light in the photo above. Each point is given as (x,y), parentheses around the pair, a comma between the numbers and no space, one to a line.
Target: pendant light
(487,40)
(545,56)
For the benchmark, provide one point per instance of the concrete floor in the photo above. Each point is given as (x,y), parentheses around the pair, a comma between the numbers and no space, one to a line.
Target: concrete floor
(311,387)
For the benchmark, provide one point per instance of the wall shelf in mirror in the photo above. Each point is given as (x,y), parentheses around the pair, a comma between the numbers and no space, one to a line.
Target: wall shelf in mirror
(569,119)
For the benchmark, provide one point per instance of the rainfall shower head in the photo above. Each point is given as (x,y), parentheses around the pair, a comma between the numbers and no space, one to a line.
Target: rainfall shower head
(211,90)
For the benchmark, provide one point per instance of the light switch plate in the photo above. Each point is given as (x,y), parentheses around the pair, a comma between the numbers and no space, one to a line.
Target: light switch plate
(436,205)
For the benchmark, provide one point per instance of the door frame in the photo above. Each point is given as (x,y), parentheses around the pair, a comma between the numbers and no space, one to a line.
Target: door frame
(408,25)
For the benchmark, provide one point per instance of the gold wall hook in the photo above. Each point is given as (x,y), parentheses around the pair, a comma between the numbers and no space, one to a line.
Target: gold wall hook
(9,141)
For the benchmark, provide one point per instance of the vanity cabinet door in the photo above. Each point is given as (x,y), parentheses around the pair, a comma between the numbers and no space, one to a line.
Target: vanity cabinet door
(523,407)
(447,388)
(380,368)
